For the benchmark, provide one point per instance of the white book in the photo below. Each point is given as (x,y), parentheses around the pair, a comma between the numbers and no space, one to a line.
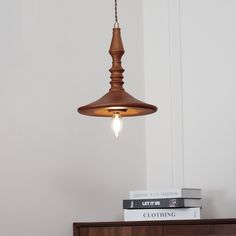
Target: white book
(162,214)
(166,193)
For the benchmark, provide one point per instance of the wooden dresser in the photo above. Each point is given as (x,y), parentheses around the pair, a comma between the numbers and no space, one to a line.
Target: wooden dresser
(223,227)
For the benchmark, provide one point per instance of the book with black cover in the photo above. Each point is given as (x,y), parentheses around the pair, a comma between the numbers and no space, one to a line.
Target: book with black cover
(161,203)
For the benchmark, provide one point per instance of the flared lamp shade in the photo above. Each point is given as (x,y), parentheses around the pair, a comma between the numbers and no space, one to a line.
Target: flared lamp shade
(117,100)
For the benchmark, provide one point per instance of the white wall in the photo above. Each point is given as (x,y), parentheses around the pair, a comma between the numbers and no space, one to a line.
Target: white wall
(190,70)
(56,166)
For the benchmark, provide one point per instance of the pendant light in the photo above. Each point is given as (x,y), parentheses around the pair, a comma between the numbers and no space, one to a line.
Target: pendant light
(117,103)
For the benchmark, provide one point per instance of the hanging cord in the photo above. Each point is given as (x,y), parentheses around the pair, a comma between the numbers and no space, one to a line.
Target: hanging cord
(116,16)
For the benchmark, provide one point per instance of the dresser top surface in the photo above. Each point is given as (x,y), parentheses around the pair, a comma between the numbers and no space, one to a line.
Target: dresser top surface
(143,223)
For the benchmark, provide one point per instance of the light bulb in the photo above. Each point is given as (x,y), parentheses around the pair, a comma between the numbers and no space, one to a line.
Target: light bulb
(116,124)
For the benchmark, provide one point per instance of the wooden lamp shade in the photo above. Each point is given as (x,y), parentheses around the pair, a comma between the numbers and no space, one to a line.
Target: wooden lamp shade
(117,100)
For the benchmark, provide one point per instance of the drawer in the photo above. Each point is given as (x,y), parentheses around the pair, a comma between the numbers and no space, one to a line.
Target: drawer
(121,231)
(202,230)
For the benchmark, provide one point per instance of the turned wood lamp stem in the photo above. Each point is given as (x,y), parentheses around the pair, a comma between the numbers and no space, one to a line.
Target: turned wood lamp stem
(116,51)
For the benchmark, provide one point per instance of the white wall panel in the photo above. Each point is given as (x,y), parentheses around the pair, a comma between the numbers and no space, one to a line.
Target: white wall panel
(190,69)
(209,72)
(157,89)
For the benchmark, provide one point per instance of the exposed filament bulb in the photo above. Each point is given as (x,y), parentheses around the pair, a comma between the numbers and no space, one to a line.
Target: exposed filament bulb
(116,124)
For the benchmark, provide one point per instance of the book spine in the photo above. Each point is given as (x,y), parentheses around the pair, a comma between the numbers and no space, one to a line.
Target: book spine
(153,203)
(162,214)
(174,193)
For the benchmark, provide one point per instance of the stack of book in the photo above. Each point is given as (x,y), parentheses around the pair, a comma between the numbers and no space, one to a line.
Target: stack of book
(173,204)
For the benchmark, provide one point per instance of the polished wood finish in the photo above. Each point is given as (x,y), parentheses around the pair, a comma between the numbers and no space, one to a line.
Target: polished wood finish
(116,51)
(218,227)
(117,100)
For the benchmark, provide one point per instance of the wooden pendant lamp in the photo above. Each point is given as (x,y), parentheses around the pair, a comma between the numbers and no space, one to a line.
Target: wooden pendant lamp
(117,102)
